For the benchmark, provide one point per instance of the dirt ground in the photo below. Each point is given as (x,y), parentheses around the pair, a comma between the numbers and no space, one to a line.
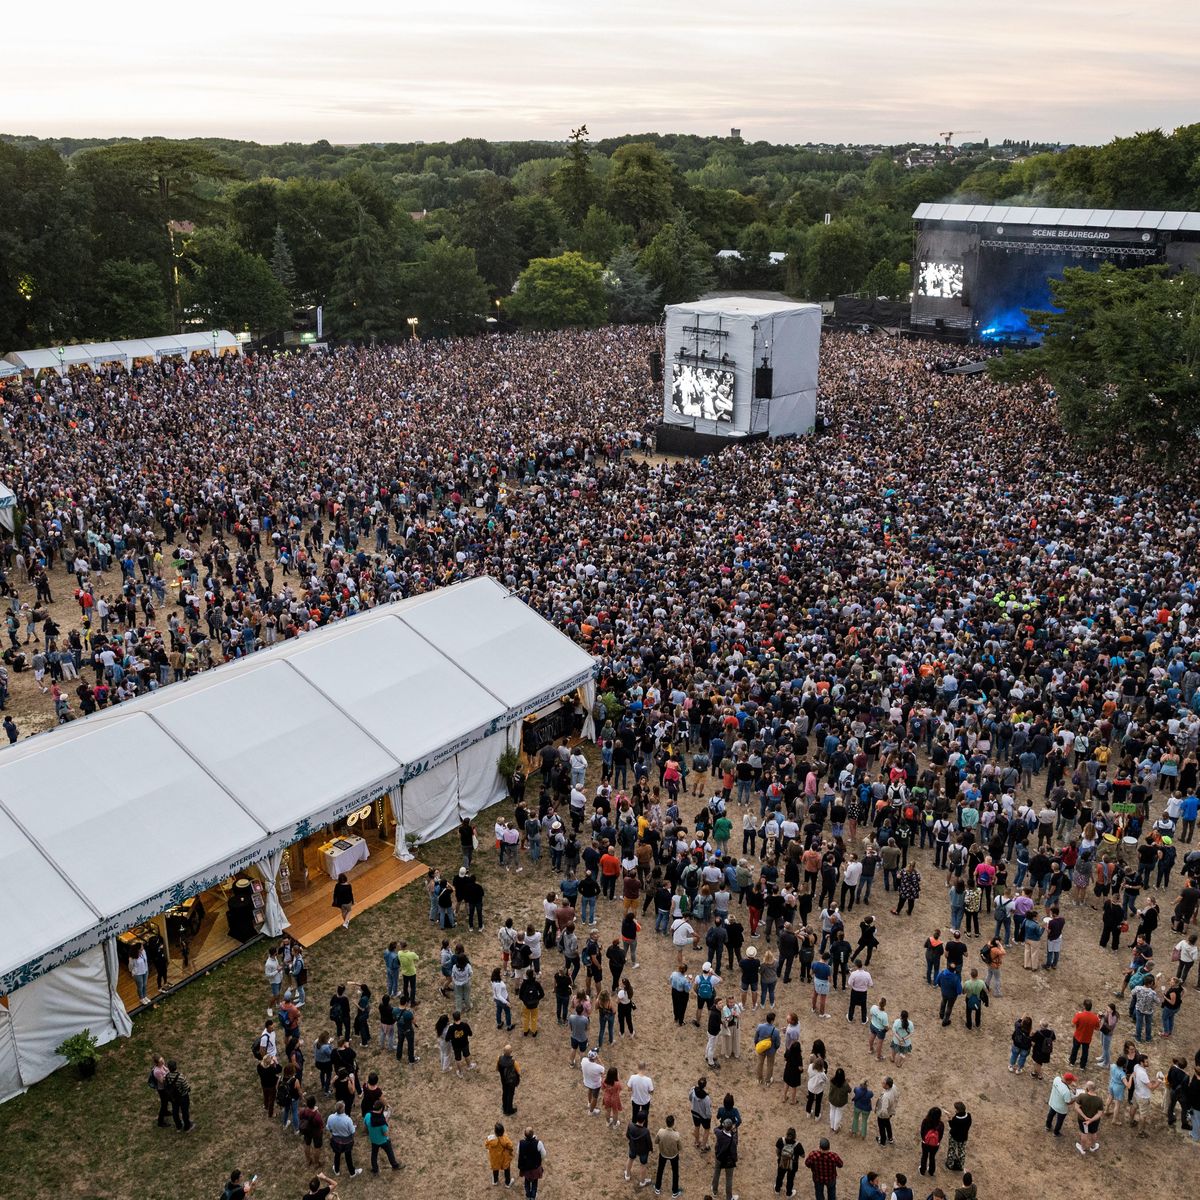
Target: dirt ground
(99,1139)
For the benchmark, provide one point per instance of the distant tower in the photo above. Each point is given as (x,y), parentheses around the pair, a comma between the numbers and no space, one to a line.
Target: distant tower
(735,133)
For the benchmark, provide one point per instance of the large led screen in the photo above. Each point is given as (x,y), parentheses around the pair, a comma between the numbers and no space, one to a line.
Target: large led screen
(940,280)
(702,393)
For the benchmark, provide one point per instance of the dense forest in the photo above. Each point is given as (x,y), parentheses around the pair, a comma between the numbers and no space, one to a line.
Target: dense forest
(118,238)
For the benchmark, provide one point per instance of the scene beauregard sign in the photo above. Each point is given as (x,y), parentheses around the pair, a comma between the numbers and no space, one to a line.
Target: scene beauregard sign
(1106,237)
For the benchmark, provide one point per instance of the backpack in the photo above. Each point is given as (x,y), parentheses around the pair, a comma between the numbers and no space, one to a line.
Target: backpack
(705,989)
(259,1050)
(931,1138)
(985,955)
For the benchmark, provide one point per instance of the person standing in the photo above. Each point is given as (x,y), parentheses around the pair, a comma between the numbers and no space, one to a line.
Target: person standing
(860,982)
(933,1129)
(273,970)
(976,995)
(725,1156)
(640,1145)
(530,993)
(956,1142)
(860,1117)
(459,1034)
(789,1154)
(341,1137)
(641,1089)
(157,1080)
(1088,1106)
(950,984)
(269,1072)
(139,968)
(379,1135)
(312,1132)
(408,959)
(343,900)
(500,1155)
(1062,1096)
(391,966)
(179,1093)
(531,1162)
(824,1165)
(509,1071)
(339,1012)
(1085,1024)
(668,1142)
(592,1070)
(885,1111)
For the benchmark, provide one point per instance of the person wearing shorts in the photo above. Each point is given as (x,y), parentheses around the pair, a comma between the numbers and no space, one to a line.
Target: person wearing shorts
(312,1131)
(1088,1107)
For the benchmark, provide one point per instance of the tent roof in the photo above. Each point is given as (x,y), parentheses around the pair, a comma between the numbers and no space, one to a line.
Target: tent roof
(103,817)
(96,353)
(751,305)
(1086,218)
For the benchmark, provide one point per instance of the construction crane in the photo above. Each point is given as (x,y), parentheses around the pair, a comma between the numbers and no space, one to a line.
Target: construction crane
(949,135)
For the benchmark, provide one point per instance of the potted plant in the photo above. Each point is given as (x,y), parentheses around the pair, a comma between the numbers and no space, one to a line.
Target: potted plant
(80,1052)
(508,764)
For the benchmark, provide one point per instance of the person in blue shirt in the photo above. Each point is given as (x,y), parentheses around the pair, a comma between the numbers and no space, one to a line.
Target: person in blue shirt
(869,1189)
(1188,808)
(863,1096)
(900,1188)
(950,984)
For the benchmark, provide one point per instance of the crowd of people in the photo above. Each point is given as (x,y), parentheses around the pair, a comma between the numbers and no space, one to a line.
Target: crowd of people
(932,651)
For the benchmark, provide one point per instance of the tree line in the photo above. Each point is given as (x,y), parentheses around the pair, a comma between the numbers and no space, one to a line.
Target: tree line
(107,239)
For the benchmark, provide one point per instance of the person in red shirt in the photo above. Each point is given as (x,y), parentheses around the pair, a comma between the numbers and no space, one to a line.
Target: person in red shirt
(1085,1023)
(610,868)
(824,1164)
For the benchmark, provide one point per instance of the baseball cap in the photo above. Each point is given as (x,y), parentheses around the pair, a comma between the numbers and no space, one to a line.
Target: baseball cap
(1068,1077)
(706,967)
(596,1054)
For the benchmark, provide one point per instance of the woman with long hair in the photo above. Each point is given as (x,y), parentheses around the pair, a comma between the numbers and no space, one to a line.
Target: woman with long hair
(362,1018)
(932,1130)
(838,1094)
(902,1031)
(625,1008)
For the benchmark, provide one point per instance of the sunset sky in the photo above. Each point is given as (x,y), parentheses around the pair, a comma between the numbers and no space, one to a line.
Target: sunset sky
(782,70)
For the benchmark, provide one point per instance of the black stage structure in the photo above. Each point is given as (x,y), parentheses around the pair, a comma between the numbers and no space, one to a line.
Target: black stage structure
(977,267)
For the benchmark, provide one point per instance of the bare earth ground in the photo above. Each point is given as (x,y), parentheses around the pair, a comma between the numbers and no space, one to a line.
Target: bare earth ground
(98,1138)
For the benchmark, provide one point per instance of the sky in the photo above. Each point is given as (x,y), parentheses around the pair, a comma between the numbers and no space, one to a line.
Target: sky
(780,70)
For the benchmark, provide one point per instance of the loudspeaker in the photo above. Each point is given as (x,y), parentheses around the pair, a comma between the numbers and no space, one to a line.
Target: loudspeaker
(656,366)
(940,324)
(764,378)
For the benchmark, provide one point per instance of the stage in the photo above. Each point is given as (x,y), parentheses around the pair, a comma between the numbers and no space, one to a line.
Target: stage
(691,443)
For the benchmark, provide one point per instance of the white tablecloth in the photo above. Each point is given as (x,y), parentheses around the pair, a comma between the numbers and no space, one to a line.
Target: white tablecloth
(336,861)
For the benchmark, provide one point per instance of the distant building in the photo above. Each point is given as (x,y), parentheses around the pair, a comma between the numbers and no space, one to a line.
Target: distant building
(775,256)
(735,133)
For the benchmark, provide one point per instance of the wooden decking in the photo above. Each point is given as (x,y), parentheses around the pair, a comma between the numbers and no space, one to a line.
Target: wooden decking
(312,914)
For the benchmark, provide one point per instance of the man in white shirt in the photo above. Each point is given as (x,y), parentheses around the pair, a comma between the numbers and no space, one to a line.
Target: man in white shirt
(1143,1085)
(860,982)
(593,1076)
(641,1088)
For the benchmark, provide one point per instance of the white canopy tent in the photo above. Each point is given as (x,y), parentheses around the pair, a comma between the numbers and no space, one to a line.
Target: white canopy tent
(168,795)
(125,353)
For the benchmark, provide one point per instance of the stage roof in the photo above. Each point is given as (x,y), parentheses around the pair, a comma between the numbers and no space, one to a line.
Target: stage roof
(1075,218)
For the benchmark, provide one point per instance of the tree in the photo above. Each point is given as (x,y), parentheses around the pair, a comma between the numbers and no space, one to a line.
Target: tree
(128,301)
(364,291)
(677,262)
(229,287)
(557,292)
(282,266)
(601,235)
(445,290)
(883,279)
(641,186)
(632,297)
(835,259)
(573,186)
(1123,357)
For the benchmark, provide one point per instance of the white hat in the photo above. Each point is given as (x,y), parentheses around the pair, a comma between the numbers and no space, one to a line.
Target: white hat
(462,872)
(752,952)
(706,967)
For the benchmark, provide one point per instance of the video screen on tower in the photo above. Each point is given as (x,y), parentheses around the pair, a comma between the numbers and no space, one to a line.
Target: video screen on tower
(702,393)
(940,280)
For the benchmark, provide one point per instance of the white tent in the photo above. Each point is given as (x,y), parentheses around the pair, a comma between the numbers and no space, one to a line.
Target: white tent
(8,508)
(125,353)
(168,795)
